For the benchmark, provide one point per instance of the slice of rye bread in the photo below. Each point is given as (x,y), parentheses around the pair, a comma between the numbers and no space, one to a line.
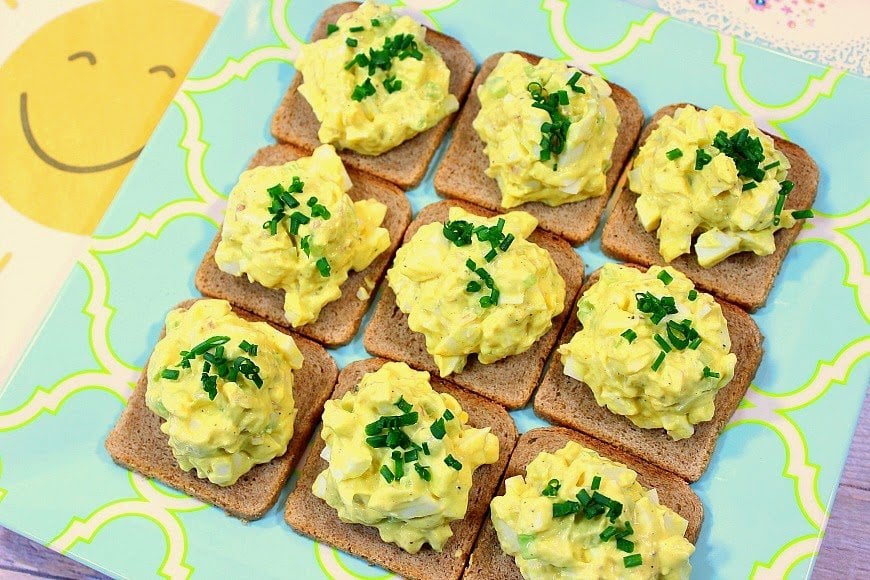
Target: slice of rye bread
(489,562)
(509,381)
(294,121)
(310,515)
(461,174)
(569,402)
(744,278)
(137,443)
(338,321)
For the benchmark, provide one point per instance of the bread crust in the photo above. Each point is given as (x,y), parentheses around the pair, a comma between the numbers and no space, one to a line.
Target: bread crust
(405,165)
(461,174)
(510,381)
(311,516)
(489,562)
(137,443)
(338,321)
(566,401)
(745,278)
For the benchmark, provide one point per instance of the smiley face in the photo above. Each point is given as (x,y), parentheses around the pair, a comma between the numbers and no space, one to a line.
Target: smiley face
(79,98)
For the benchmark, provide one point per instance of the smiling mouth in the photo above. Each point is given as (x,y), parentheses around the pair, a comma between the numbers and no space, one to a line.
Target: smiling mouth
(57,164)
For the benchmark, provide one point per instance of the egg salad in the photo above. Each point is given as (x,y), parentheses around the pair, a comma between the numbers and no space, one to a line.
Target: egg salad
(549,131)
(401,457)
(293,227)
(373,82)
(576,514)
(224,387)
(651,348)
(711,173)
(476,285)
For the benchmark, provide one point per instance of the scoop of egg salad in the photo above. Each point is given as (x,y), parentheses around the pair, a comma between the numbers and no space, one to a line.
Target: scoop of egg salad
(714,173)
(374,82)
(225,389)
(293,227)
(476,285)
(548,129)
(579,515)
(651,348)
(401,457)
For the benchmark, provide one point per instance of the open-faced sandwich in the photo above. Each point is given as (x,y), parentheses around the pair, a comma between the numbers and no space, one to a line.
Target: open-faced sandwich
(403,470)
(224,407)
(711,194)
(304,242)
(478,297)
(542,136)
(573,507)
(651,366)
(380,87)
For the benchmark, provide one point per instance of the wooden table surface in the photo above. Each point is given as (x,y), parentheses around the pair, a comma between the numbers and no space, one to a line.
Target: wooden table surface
(843,554)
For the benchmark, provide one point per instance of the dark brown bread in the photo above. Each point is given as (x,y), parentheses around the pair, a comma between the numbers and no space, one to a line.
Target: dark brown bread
(489,562)
(569,402)
(509,381)
(745,278)
(136,442)
(461,174)
(309,515)
(339,320)
(405,165)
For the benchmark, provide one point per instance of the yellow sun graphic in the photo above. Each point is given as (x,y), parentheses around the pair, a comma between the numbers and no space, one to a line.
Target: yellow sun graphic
(79,98)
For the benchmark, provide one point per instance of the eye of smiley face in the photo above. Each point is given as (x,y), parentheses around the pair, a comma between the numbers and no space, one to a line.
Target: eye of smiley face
(91,58)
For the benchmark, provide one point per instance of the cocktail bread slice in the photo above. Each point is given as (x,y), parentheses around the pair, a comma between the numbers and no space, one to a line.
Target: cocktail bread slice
(339,320)
(745,278)
(309,515)
(489,562)
(509,381)
(569,402)
(461,174)
(294,121)
(137,443)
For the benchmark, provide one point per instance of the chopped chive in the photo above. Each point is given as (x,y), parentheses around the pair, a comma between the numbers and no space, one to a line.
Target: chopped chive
(674,154)
(710,373)
(399,465)
(490,256)
(565,508)
(624,545)
(574,78)
(170,374)
(780,202)
(616,511)
(472,286)
(749,185)
(323,267)
(658,362)
(469,263)
(702,158)
(695,343)
(563,98)
(411,456)
(693,295)
(357,28)
(583,497)
(305,244)
(423,472)
(771,166)
(452,462)
(632,561)
(387,474)
(665,277)
(404,405)
(608,533)
(448,415)
(375,427)
(786,187)
(552,488)
(438,430)
(600,499)
(352,42)
(662,343)
(596,482)
(425,448)
(506,243)
(376,22)
(629,335)
(330,28)
(802,214)
(485,301)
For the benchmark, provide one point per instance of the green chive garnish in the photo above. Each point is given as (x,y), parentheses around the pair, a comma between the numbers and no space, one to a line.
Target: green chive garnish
(658,362)
(565,508)
(629,335)
(596,482)
(423,472)
(438,430)
(662,343)
(711,374)
(472,286)
(674,154)
(352,42)
(552,488)
(665,277)
(452,462)
(387,474)
(323,267)
(802,214)
(693,294)
(170,374)
(695,343)
(376,22)
(632,561)
(702,158)
(749,185)
(357,28)
(448,415)
(404,405)
(330,28)
(771,165)
(608,533)
(624,545)
(425,448)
